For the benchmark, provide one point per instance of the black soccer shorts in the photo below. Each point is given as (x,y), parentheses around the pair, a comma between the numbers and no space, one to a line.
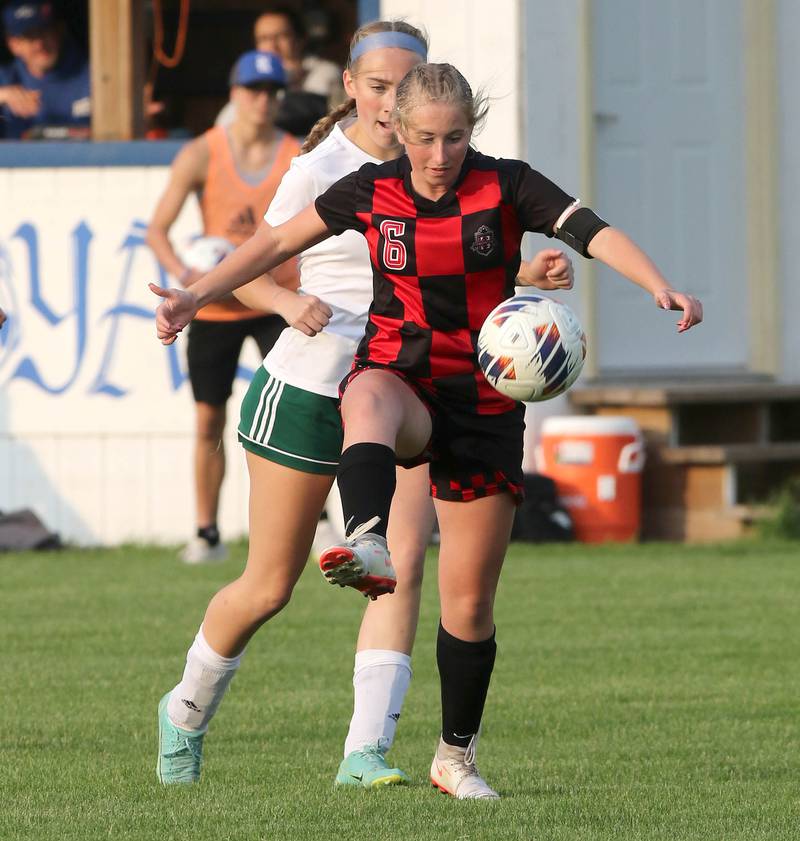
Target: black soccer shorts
(470,455)
(213,351)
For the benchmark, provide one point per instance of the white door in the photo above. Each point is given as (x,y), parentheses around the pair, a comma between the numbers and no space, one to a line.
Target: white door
(669,171)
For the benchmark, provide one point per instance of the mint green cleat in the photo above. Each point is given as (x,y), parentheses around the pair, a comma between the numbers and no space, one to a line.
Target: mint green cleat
(368,768)
(180,752)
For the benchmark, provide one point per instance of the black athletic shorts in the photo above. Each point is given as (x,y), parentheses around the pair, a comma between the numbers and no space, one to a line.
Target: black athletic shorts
(213,350)
(470,455)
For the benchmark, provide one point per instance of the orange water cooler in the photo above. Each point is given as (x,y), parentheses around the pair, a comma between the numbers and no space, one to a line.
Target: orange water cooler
(596,462)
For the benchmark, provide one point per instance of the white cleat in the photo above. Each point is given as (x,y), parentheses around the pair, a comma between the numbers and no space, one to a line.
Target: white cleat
(361,561)
(454,772)
(200,551)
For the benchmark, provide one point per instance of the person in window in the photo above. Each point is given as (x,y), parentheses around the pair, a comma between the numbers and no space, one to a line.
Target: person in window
(281,30)
(314,84)
(47,83)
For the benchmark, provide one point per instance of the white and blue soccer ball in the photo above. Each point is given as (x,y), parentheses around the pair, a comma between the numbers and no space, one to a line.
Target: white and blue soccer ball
(204,253)
(531,348)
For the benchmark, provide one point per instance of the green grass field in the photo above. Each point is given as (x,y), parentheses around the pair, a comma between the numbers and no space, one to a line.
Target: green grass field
(641,692)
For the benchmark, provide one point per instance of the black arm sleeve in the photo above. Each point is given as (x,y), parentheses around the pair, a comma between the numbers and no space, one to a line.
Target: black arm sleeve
(337,205)
(579,228)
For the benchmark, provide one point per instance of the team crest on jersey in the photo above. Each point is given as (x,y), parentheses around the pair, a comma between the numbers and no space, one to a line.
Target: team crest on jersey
(484,241)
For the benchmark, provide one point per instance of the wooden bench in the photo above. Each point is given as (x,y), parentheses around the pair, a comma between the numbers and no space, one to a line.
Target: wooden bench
(716,452)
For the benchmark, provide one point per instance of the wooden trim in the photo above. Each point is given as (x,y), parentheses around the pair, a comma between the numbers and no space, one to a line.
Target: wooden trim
(728,454)
(761,156)
(587,287)
(117,48)
(678,395)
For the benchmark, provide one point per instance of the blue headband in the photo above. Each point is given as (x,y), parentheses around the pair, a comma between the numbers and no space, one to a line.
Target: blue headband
(378,40)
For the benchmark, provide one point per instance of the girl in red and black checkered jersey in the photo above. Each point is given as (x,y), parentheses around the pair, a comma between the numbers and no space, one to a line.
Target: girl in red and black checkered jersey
(444,225)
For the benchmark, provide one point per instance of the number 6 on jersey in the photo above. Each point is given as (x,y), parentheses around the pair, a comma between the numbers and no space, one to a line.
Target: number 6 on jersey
(394,250)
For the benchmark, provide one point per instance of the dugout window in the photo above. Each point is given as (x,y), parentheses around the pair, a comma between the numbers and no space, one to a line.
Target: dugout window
(219,31)
(185,100)
(134,96)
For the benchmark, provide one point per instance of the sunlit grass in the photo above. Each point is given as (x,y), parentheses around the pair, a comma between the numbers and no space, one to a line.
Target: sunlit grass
(641,692)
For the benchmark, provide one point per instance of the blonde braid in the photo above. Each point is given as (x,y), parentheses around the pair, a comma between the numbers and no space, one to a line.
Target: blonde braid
(324,126)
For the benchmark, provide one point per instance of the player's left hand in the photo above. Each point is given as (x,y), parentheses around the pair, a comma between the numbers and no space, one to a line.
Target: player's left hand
(550,269)
(669,299)
(177,309)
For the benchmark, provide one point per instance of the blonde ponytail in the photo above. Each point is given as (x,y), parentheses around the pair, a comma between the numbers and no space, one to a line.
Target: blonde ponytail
(438,83)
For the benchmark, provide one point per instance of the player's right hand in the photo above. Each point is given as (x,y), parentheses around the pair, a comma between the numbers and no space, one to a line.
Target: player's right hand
(305,313)
(22,102)
(177,310)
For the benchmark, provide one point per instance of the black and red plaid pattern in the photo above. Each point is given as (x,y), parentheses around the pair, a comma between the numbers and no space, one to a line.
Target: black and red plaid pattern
(440,267)
(478,486)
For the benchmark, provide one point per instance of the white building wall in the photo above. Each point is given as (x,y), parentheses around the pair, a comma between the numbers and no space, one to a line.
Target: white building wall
(553,68)
(96,432)
(788,25)
(95,418)
(552,80)
(482,41)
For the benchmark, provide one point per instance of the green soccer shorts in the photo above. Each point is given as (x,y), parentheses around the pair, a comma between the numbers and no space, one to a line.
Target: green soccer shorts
(290,426)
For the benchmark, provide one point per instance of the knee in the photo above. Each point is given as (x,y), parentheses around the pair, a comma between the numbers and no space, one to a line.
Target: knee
(468,614)
(210,423)
(267,602)
(365,401)
(372,395)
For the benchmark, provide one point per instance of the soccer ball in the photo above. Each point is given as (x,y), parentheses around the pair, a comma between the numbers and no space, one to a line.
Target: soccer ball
(204,253)
(531,348)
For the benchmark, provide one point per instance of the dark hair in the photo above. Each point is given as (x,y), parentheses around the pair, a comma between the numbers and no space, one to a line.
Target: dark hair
(323,127)
(295,19)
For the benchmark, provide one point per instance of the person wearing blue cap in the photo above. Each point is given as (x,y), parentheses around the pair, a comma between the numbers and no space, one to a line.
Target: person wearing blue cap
(234,171)
(48,82)
(259,69)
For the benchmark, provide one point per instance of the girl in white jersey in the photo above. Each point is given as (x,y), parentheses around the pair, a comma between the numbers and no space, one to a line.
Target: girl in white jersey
(291,430)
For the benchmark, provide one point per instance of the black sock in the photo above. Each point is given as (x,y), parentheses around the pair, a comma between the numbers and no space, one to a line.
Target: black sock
(465,669)
(367,479)
(210,534)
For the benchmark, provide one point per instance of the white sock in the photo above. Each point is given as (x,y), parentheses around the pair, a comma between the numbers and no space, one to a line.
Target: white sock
(195,699)
(380,683)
